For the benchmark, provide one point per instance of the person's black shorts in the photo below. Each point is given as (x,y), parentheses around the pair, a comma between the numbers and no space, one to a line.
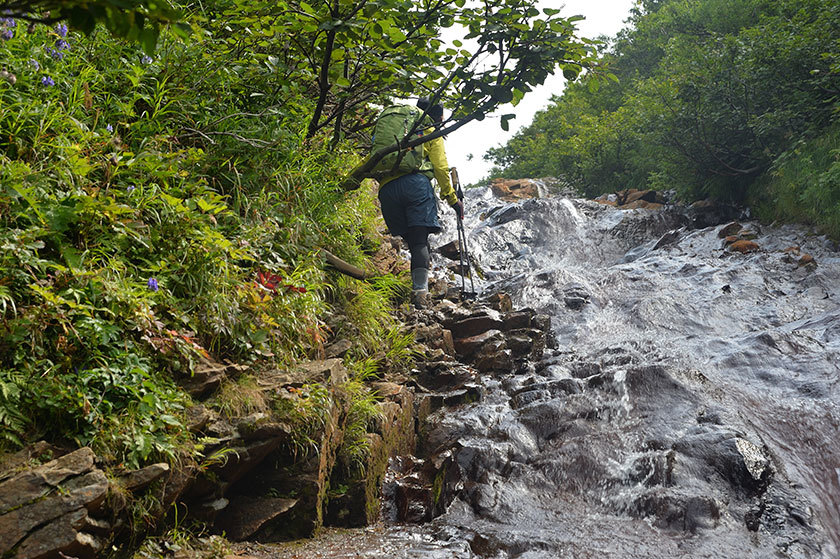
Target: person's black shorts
(409,201)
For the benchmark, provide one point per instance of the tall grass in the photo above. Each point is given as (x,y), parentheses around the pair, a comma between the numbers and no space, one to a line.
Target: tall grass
(804,184)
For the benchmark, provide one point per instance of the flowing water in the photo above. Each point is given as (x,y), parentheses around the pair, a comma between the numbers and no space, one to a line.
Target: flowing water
(690,410)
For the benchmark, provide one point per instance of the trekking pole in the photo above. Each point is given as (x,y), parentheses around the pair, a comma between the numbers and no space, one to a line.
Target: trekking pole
(461,244)
(462,237)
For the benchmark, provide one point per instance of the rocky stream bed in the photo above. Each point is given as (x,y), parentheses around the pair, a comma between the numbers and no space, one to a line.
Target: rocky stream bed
(689,408)
(636,379)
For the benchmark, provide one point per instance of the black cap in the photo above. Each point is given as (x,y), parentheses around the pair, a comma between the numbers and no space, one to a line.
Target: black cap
(435,111)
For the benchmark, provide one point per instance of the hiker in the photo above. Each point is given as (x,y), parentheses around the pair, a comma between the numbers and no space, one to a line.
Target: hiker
(409,207)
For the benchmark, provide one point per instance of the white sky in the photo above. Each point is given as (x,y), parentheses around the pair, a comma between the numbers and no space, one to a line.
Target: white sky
(603,17)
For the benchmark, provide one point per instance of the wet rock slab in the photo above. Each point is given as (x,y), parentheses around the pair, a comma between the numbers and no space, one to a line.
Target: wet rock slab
(46,511)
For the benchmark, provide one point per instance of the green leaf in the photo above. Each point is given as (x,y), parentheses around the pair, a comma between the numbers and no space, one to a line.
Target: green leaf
(506,120)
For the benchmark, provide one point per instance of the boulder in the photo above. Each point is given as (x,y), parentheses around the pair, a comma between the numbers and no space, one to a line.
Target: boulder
(468,347)
(729,230)
(475,325)
(207,377)
(61,538)
(451,250)
(513,190)
(330,372)
(197,418)
(436,336)
(45,510)
(245,517)
(36,453)
(140,479)
(427,490)
(743,246)
(36,483)
(500,302)
(338,348)
(806,259)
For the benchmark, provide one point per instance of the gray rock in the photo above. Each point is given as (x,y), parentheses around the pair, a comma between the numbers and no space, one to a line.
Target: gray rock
(34,484)
(142,478)
(61,538)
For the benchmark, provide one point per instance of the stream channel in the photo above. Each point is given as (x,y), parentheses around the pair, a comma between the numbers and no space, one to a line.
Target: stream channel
(689,410)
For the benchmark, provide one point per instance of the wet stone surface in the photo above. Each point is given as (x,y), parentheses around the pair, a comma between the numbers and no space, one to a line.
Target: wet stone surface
(689,407)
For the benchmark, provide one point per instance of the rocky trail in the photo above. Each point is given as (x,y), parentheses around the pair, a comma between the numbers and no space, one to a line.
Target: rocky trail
(637,379)
(689,408)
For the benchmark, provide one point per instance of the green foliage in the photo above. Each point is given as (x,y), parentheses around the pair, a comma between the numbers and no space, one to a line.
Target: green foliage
(356,52)
(307,412)
(136,20)
(804,184)
(140,206)
(711,93)
(361,413)
(240,397)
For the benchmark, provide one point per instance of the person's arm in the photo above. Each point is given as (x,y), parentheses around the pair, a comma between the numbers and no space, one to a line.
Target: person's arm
(437,155)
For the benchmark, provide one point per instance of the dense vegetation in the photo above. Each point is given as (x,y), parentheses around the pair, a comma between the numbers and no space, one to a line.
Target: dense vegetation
(164,199)
(731,99)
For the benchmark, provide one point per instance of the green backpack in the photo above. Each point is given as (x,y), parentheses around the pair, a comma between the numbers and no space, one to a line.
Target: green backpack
(392,125)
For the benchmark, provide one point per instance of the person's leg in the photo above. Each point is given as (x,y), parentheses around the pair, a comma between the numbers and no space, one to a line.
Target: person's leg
(417,238)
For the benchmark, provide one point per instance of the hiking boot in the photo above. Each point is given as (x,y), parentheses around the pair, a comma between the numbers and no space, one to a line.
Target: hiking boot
(420,299)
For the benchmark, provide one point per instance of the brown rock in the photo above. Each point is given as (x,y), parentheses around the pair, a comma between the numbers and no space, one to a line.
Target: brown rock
(642,205)
(500,302)
(197,418)
(793,249)
(338,349)
(729,230)
(807,259)
(245,516)
(451,250)
(494,360)
(60,538)
(512,190)
(467,347)
(82,493)
(330,371)
(474,326)
(518,319)
(142,478)
(632,195)
(436,337)
(730,239)
(38,482)
(39,452)
(743,246)
(603,199)
(386,389)
(206,378)
(526,342)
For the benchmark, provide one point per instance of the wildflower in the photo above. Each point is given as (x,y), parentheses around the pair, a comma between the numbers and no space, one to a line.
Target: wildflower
(130,189)
(146,59)
(56,54)
(47,81)
(152,284)
(34,64)
(7,34)
(109,128)
(61,29)
(61,44)
(7,22)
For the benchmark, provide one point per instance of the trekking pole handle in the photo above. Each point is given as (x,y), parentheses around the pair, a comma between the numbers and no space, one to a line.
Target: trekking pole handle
(453,174)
